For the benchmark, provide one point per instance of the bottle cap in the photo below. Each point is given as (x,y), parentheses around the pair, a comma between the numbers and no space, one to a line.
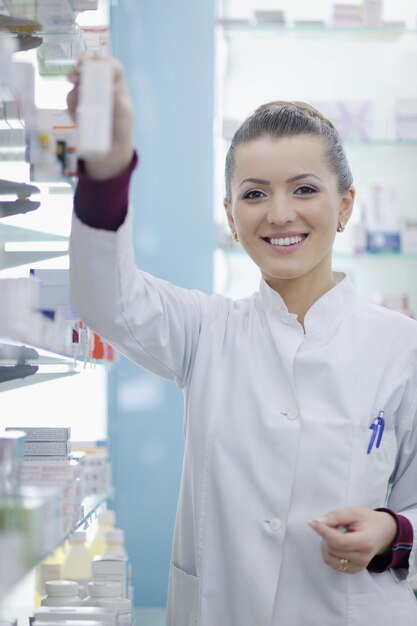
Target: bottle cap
(115,535)
(79,536)
(104,588)
(61,588)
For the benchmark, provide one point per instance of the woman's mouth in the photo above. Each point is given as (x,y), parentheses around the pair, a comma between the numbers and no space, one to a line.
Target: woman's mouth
(285,244)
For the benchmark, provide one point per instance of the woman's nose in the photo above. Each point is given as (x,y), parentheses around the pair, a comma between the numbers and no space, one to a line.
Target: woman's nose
(280,211)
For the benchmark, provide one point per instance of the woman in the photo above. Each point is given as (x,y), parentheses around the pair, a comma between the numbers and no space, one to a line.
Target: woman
(300,455)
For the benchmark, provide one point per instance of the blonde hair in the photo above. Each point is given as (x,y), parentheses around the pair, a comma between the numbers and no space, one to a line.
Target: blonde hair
(282,118)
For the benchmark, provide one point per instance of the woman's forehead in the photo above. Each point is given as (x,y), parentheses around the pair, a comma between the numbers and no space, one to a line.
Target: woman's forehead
(298,146)
(289,155)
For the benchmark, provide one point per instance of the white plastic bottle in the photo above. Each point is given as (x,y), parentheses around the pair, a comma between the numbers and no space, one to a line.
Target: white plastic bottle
(77,566)
(115,547)
(124,607)
(105,521)
(61,593)
(102,589)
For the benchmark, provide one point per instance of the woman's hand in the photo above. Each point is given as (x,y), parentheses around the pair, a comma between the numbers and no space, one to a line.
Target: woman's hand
(122,149)
(351,537)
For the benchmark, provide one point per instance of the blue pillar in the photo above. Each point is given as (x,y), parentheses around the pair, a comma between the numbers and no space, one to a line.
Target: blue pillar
(167,49)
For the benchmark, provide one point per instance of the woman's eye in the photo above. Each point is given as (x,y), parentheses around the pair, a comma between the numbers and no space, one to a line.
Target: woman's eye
(254,194)
(305,190)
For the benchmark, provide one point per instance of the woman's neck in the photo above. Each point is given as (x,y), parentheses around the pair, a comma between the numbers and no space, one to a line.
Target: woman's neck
(299,294)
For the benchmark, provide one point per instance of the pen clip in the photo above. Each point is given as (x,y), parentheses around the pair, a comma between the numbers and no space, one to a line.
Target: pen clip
(377,428)
(381,424)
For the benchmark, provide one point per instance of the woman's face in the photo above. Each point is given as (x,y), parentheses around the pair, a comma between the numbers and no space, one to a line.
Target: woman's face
(286,206)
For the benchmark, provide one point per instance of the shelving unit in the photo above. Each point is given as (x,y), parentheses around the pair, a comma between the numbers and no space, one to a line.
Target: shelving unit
(43,344)
(360,73)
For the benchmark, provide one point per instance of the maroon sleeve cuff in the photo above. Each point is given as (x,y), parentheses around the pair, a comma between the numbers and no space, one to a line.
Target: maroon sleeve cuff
(397,557)
(103,203)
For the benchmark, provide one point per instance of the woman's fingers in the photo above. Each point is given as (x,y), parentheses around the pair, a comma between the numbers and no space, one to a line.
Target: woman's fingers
(348,562)
(72,102)
(355,534)
(338,540)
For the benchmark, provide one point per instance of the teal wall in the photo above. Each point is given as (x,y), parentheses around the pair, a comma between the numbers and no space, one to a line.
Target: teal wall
(167,49)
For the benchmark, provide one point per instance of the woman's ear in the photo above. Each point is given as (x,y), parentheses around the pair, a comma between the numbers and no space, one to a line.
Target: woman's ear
(346,206)
(229,215)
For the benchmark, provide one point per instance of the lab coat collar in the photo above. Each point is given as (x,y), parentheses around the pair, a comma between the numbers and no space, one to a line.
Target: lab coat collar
(325,314)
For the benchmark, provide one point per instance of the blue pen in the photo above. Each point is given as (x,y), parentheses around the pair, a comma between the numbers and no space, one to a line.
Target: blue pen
(377,428)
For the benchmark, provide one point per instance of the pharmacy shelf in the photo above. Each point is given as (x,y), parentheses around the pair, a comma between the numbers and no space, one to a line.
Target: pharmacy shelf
(90,505)
(36,379)
(33,246)
(41,360)
(21,366)
(251,26)
(44,367)
(11,233)
(13,353)
(16,258)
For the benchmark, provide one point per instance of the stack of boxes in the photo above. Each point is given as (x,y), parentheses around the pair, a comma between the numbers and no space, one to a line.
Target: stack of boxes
(349,15)
(48,463)
(29,516)
(47,443)
(367,14)
(96,466)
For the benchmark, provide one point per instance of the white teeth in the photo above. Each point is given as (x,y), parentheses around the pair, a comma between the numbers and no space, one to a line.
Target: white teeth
(285,241)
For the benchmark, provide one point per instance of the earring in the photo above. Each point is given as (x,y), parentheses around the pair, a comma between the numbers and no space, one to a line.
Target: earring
(235,237)
(340,227)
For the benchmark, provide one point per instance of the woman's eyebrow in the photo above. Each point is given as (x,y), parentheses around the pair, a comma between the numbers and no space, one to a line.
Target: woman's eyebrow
(300,176)
(259,181)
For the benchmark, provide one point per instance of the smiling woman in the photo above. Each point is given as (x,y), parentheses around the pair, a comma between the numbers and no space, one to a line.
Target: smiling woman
(285,391)
(288,191)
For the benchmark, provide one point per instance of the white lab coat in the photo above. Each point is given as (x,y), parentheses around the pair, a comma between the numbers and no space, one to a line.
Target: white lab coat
(276,431)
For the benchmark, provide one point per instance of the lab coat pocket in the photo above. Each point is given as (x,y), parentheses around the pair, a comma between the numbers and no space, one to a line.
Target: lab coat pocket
(370,472)
(183,598)
(396,607)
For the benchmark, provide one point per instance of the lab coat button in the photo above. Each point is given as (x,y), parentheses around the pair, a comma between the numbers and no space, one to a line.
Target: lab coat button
(292,414)
(275,524)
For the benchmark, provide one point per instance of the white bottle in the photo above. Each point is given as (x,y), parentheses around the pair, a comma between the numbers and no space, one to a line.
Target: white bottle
(105,521)
(95,109)
(102,589)
(115,549)
(115,544)
(77,566)
(61,593)
(122,604)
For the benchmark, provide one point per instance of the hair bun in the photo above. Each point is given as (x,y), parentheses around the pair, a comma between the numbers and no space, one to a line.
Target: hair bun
(303,107)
